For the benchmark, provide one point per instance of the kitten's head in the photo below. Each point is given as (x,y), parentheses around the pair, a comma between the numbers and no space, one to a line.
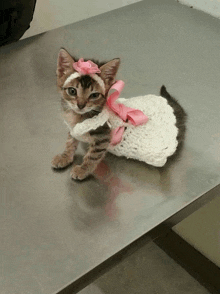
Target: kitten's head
(84,93)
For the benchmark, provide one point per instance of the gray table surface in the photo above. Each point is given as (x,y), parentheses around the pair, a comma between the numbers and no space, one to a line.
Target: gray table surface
(55,230)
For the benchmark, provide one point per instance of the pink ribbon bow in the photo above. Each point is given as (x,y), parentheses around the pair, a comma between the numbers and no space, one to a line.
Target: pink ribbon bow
(86,67)
(134,116)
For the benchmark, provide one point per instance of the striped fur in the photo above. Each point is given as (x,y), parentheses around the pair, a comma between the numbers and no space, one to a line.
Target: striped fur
(85,103)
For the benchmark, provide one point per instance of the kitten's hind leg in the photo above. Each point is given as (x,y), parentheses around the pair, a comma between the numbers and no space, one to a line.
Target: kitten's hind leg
(64,159)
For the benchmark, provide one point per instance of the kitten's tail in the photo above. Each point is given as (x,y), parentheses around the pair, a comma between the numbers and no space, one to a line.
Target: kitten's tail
(171,100)
(179,112)
(164,93)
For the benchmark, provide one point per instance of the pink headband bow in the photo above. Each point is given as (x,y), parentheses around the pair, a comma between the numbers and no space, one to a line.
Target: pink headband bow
(86,67)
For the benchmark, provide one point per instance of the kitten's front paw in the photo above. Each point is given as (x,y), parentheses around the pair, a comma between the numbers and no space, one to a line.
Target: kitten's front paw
(61,161)
(78,173)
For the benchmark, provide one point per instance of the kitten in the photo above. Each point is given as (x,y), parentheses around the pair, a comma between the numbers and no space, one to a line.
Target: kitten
(82,98)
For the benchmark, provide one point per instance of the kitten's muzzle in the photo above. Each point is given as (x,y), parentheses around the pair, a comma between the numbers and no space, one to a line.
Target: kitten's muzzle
(81,105)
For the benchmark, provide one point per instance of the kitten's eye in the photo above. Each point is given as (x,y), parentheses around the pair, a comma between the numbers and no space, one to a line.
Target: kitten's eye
(71,91)
(94,96)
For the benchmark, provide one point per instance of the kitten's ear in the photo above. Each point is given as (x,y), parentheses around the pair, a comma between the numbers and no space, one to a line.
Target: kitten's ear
(64,63)
(109,71)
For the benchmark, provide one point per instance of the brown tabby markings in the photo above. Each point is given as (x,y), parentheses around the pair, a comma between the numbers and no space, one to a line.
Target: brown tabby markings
(92,158)
(80,107)
(82,103)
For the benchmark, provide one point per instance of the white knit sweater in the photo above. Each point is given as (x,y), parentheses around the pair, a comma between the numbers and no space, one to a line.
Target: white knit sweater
(152,142)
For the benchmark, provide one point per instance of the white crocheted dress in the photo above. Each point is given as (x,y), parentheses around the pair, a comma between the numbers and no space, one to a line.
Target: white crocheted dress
(152,142)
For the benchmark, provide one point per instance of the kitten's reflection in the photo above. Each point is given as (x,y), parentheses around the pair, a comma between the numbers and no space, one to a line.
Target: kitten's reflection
(88,199)
(95,200)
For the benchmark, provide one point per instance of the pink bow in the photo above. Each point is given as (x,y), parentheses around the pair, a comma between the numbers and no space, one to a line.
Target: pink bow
(134,116)
(86,67)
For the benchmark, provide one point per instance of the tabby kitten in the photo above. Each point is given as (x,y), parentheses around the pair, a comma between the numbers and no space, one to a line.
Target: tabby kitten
(84,96)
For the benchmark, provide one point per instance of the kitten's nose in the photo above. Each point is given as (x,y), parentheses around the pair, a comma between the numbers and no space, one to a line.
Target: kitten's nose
(81,105)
